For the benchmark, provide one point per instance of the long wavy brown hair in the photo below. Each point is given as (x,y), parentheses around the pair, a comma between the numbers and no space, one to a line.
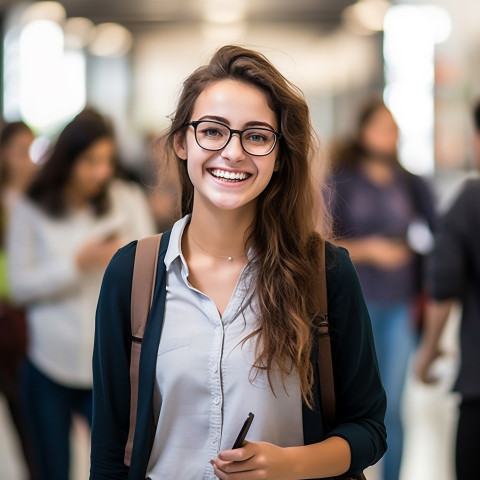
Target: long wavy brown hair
(285,231)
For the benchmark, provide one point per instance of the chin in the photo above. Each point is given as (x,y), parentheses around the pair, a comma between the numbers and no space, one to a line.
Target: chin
(95,192)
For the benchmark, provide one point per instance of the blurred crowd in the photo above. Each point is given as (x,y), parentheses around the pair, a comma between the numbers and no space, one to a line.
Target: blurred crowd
(61,223)
(62,220)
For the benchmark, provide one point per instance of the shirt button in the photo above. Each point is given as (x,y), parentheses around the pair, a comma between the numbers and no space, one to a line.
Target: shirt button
(216,400)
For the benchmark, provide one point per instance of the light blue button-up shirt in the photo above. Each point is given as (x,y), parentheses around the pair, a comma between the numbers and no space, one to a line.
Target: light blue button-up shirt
(204,383)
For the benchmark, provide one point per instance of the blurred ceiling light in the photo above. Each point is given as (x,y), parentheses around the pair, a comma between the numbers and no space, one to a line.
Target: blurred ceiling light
(224,11)
(366,16)
(78,31)
(441,22)
(111,40)
(52,11)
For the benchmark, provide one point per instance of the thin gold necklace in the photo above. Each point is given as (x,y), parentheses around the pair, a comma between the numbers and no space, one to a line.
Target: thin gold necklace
(229,258)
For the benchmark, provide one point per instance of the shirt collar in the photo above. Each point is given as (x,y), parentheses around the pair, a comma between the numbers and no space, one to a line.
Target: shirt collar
(174,249)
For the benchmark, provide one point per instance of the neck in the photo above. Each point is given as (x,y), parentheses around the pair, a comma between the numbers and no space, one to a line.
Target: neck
(18,183)
(379,172)
(220,234)
(74,198)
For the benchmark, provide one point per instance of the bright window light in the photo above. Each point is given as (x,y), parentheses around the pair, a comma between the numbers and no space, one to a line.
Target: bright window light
(11,75)
(52,81)
(410,35)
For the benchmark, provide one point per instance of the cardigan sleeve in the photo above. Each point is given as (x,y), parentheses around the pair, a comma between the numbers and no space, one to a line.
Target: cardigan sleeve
(111,363)
(360,397)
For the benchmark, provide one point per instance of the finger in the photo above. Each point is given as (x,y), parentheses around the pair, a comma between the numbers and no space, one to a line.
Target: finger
(233,471)
(218,473)
(239,454)
(233,467)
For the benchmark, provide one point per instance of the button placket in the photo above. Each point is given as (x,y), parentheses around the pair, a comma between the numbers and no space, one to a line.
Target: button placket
(216,393)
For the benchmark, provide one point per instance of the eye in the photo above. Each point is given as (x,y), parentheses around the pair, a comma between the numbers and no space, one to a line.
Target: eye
(258,136)
(211,132)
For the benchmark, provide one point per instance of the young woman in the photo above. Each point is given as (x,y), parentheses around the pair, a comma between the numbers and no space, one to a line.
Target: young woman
(241,292)
(61,237)
(16,171)
(378,207)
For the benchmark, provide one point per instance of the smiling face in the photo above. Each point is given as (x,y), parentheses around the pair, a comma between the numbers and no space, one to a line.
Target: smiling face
(16,155)
(380,134)
(93,168)
(228,179)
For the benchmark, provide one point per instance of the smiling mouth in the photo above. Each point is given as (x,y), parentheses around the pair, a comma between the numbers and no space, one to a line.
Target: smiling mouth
(229,176)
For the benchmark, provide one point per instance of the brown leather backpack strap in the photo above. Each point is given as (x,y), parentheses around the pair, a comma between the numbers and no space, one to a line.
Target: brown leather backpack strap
(143,287)
(325,367)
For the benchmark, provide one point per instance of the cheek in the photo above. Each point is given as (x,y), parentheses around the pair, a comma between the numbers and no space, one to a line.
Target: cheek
(77,173)
(107,170)
(194,171)
(195,159)
(84,174)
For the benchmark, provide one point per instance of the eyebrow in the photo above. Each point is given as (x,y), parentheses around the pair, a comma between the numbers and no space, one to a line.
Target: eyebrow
(254,123)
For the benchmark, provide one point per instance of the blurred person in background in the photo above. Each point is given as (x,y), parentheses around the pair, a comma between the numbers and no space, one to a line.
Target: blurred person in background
(384,215)
(62,234)
(454,276)
(16,171)
(16,166)
(163,185)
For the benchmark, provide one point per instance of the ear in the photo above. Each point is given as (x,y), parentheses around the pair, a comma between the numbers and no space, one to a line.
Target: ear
(276,167)
(180,145)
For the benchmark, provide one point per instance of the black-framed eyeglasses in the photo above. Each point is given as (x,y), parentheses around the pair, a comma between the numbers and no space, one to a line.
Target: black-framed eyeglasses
(214,136)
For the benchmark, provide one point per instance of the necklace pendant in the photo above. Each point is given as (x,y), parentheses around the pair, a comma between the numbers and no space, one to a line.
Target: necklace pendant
(229,259)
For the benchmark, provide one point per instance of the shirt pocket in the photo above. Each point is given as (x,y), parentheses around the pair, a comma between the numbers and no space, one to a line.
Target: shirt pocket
(171,344)
(260,380)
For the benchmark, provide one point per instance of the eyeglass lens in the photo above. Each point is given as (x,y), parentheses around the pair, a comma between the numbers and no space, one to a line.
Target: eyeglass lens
(215,136)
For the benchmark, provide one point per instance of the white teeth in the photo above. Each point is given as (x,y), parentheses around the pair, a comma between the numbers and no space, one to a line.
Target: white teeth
(229,175)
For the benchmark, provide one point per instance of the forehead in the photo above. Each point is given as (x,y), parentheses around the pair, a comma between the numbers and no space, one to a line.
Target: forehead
(20,136)
(236,101)
(101,146)
(382,115)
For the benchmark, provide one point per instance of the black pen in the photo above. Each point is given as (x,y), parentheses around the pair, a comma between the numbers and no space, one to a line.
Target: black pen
(243,432)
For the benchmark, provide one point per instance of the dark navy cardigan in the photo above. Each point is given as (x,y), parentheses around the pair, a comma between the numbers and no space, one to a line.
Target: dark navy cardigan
(360,396)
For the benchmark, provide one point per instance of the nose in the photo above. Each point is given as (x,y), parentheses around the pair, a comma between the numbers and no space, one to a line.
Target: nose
(233,150)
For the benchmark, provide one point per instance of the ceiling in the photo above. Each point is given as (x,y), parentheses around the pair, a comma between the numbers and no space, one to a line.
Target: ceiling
(149,13)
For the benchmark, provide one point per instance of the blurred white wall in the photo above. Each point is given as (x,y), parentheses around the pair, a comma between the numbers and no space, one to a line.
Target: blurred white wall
(321,65)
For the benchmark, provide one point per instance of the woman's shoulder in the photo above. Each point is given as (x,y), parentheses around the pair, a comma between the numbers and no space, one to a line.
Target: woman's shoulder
(25,205)
(417,184)
(343,285)
(26,212)
(337,262)
(118,274)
